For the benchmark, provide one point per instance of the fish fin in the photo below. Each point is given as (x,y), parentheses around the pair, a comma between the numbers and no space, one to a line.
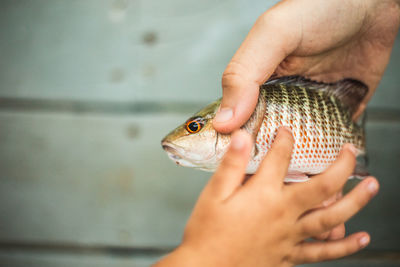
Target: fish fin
(296,177)
(349,91)
(361,170)
(362,119)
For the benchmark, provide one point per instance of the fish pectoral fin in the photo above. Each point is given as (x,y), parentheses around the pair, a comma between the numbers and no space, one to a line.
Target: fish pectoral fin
(295,177)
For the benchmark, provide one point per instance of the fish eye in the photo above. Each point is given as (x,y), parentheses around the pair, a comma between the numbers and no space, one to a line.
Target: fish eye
(194,125)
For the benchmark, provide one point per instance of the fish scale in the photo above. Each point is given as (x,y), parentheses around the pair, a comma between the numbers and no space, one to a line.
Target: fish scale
(305,112)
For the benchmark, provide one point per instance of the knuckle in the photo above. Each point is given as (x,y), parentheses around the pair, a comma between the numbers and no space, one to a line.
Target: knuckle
(322,254)
(310,257)
(229,78)
(319,226)
(326,223)
(296,256)
(230,162)
(322,236)
(234,73)
(308,229)
(326,188)
(232,69)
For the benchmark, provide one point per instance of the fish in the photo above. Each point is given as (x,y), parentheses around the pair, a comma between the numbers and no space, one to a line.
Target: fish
(318,114)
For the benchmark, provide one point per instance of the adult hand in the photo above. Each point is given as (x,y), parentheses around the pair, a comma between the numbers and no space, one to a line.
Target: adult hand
(264,222)
(322,40)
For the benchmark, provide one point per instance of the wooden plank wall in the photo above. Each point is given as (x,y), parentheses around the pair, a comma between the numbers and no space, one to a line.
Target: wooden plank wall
(87,91)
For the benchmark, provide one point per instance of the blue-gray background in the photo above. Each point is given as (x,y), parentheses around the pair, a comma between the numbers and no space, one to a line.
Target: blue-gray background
(87,91)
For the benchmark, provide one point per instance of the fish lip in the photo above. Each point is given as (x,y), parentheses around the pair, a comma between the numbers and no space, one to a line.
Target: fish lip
(167,147)
(175,153)
(172,151)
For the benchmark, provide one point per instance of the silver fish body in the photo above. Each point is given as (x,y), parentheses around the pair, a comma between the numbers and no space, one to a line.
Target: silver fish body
(318,114)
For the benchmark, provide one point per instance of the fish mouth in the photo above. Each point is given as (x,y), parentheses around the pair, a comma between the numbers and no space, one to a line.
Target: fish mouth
(177,154)
(171,151)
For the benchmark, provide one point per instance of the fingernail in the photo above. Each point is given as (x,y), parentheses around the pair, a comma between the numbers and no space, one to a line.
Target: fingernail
(351,148)
(223,115)
(372,187)
(237,143)
(363,241)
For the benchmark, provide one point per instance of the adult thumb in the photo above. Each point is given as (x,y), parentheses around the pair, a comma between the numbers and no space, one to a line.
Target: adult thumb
(264,48)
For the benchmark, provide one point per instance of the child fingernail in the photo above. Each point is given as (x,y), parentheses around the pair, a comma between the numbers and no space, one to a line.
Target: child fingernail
(363,241)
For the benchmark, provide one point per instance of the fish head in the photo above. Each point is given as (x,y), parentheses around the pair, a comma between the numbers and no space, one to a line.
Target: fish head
(196,143)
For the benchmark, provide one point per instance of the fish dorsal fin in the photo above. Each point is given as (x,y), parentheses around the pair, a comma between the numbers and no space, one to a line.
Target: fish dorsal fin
(349,91)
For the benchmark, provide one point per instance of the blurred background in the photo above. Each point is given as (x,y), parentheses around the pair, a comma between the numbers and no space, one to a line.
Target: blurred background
(87,91)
